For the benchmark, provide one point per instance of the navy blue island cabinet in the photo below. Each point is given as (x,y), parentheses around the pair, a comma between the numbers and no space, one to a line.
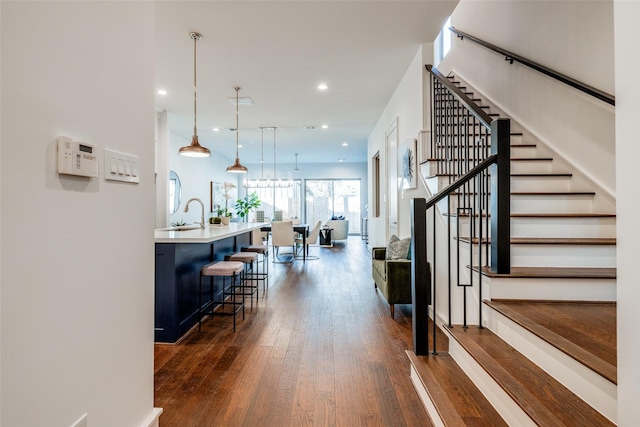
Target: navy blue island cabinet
(179,257)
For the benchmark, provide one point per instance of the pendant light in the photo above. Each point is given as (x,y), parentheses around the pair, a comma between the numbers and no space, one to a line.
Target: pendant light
(195,149)
(237,167)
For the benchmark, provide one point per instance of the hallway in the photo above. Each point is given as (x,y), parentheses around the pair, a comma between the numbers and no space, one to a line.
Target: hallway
(319,349)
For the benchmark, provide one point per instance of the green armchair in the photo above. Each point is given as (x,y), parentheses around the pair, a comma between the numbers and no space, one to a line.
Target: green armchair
(392,277)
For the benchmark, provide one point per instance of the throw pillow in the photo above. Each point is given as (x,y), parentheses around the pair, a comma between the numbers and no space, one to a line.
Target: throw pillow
(398,248)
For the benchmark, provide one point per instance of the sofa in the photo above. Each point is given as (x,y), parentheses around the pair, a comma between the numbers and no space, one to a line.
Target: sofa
(340,229)
(392,277)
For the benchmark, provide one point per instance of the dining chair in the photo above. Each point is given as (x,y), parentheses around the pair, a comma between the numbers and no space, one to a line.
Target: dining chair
(282,234)
(277,216)
(312,238)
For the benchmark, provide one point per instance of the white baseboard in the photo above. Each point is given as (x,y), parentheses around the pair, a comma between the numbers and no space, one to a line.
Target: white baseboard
(154,419)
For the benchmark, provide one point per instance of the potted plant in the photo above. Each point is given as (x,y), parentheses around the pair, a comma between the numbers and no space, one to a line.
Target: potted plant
(226,215)
(246,205)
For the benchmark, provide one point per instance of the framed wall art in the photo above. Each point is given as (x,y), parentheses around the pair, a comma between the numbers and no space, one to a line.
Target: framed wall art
(407,165)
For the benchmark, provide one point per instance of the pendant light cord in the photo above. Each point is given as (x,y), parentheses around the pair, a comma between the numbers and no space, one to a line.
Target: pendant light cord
(195,38)
(237,89)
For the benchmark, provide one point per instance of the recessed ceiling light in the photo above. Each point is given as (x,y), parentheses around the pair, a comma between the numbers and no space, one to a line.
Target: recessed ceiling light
(323,86)
(216,129)
(341,160)
(325,126)
(162,92)
(344,144)
(239,145)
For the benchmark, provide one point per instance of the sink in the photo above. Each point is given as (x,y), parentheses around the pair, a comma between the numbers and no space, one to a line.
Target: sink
(180,228)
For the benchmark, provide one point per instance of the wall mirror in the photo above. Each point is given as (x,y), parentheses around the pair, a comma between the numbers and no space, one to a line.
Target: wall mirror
(175,192)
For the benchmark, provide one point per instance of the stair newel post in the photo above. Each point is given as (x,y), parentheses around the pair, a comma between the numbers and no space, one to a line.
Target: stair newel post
(501,197)
(420,283)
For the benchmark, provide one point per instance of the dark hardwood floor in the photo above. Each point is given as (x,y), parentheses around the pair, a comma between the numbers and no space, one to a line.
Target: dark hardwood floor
(319,349)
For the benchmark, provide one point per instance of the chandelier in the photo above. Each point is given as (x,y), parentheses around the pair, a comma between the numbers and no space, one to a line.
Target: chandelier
(268,183)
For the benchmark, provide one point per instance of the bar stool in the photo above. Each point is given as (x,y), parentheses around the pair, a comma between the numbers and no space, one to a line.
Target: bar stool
(258,246)
(260,273)
(224,269)
(247,288)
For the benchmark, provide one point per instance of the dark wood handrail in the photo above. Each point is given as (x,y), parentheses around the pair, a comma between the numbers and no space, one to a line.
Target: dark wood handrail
(464,99)
(510,56)
(445,192)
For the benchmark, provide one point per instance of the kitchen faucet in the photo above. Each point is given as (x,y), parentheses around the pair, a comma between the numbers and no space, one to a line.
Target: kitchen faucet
(186,208)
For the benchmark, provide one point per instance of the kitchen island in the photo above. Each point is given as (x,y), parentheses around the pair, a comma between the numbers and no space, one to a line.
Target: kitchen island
(180,254)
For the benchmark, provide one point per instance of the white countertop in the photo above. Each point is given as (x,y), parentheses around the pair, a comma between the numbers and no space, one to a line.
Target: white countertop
(207,235)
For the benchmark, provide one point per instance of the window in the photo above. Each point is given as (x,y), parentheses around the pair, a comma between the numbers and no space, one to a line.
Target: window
(333,197)
(285,199)
(443,42)
(446,37)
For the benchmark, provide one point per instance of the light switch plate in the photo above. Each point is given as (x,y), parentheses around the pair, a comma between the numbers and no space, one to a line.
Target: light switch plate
(121,166)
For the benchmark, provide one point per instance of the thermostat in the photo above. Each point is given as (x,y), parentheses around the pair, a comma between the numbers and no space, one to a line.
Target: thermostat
(77,158)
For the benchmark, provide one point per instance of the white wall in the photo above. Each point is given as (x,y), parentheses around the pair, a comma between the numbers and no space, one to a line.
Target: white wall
(406,104)
(628,151)
(77,255)
(572,37)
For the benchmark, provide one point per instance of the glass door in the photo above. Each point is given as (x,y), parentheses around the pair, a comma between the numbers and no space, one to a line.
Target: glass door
(326,198)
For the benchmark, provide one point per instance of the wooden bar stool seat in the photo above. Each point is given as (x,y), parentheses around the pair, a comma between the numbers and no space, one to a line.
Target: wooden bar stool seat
(224,269)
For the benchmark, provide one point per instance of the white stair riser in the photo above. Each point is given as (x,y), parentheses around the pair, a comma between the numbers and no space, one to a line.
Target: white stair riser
(522,151)
(564,227)
(533,167)
(547,227)
(518,183)
(550,289)
(547,183)
(563,256)
(551,204)
(549,255)
(541,203)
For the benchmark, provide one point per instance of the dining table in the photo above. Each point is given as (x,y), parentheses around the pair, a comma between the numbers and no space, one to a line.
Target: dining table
(302,229)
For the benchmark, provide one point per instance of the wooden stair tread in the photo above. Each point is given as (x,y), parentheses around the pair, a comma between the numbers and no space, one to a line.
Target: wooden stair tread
(598,241)
(586,331)
(564,215)
(526,175)
(553,272)
(457,400)
(513,159)
(535,193)
(546,215)
(541,175)
(553,193)
(540,396)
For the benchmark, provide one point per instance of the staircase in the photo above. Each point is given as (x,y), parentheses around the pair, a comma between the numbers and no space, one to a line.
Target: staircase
(545,353)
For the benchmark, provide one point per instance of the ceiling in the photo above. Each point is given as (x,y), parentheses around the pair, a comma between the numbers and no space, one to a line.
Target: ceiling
(278,52)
